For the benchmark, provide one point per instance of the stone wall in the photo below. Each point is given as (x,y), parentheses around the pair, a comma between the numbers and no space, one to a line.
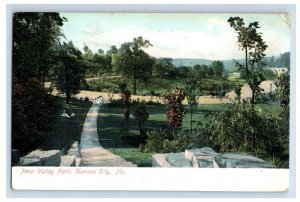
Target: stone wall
(207,158)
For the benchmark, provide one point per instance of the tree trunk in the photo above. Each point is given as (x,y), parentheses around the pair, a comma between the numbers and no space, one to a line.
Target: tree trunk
(68,96)
(174,133)
(191,120)
(253,97)
(134,86)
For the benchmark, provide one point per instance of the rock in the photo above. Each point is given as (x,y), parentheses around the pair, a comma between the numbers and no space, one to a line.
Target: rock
(78,162)
(178,160)
(67,161)
(74,149)
(159,160)
(48,158)
(30,162)
(203,161)
(232,160)
(15,156)
(202,151)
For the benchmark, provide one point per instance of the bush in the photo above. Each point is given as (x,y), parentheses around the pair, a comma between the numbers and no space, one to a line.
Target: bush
(133,139)
(243,129)
(159,141)
(155,139)
(33,111)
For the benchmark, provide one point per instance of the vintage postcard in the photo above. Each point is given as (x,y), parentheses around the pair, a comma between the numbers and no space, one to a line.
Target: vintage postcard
(151,101)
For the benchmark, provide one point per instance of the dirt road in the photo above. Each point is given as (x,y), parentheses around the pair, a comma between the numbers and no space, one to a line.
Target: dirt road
(246,93)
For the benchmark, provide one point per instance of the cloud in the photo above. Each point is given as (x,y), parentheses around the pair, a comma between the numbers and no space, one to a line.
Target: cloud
(92,31)
(218,42)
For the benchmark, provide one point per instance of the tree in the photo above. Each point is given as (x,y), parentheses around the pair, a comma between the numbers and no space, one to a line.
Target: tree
(132,62)
(217,68)
(33,107)
(69,71)
(126,98)
(34,35)
(175,112)
(163,68)
(141,115)
(282,83)
(238,92)
(192,96)
(251,42)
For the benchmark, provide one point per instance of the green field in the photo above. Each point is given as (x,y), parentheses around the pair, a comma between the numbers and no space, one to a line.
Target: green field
(111,125)
(65,131)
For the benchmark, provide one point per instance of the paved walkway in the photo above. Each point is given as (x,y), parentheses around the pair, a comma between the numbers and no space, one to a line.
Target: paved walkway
(92,154)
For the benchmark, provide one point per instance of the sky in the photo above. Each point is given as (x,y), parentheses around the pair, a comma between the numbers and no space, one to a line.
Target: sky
(175,35)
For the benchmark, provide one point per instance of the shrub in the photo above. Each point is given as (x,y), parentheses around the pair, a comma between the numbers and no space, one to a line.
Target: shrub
(159,141)
(141,115)
(133,139)
(247,129)
(155,139)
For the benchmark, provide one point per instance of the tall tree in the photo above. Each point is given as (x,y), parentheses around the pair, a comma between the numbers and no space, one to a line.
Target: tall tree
(126,98)
(69,71)
(251,42)
(33,107)
(217,68)
(192,97)
(34,35)
(132,62)
(175,113)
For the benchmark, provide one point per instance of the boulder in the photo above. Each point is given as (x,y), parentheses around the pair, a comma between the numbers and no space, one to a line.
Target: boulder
(178,160)
(78,162)
(68,161)
(30,162)
(233,160)
(15,156)
(202,161)
(202,151)
(48,158)
(159,160)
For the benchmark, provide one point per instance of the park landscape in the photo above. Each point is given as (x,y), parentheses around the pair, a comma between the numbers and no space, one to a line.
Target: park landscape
(158,98)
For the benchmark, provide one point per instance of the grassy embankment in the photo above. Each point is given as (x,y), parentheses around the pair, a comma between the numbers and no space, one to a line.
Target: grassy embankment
(65,131)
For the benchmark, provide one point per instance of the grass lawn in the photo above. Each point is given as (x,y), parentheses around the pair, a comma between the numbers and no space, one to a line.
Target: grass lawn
(111,123)
(66,131)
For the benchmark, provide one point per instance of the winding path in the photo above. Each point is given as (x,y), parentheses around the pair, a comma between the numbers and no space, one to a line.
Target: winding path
(92,154)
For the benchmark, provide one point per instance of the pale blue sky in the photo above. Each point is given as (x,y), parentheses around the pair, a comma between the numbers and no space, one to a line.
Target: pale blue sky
(176,35)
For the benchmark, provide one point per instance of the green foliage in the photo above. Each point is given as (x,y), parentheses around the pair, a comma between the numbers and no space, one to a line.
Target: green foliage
(159,141)
(155,139)
(35,36)
(133,139)
(141,115)
(282,83)
(237,91)
(250,40)
(132,62)
(246,129)
(126,99)
(32,112)
(69,73)
(192,96)
(175,113)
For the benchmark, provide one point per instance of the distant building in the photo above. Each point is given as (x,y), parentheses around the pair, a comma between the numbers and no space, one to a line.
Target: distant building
(278,70)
